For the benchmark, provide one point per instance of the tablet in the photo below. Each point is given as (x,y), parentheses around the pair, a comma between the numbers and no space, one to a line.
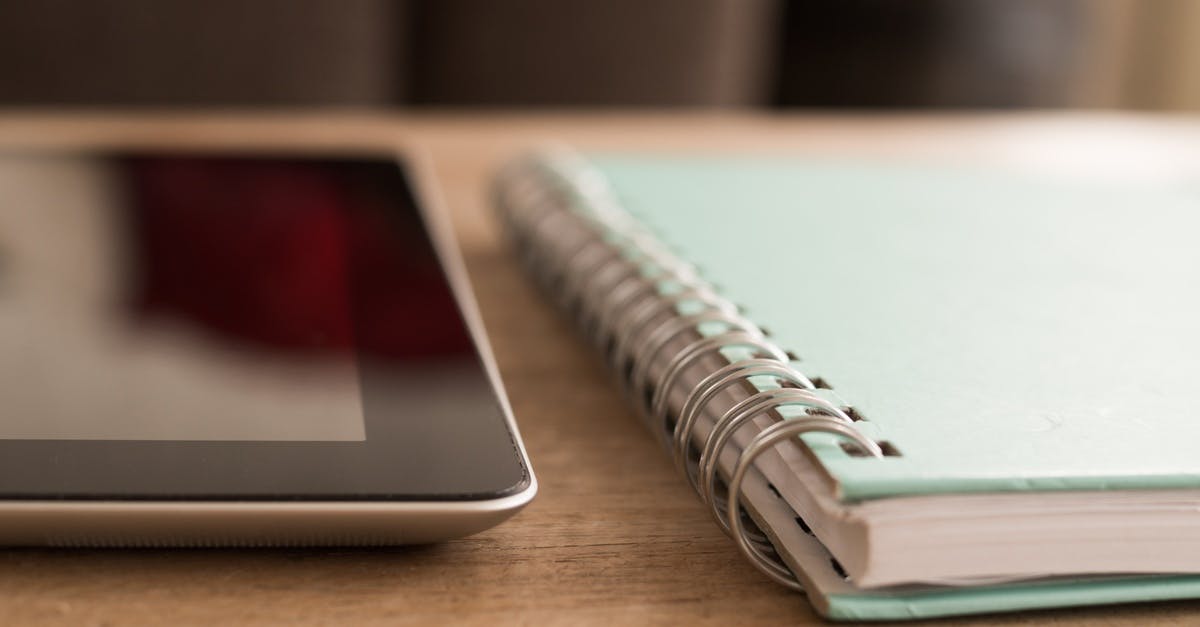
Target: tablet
(240,349)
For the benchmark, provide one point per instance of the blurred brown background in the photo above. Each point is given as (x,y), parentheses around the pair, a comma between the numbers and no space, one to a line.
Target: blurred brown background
(598,53)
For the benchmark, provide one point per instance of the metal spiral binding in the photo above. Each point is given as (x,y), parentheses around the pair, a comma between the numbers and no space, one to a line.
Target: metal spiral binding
(766,439)
(752,339)
(638,384)
(632,322)
(745,411)
(628,294)
(714,384)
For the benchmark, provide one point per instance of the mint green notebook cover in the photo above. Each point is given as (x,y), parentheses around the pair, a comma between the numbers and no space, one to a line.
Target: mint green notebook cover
(1032,596)
(1002,331)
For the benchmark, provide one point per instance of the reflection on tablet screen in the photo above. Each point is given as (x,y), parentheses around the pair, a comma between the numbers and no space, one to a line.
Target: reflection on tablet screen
(182,298)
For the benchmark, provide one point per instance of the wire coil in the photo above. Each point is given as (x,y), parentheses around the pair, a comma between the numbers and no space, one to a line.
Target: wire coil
(656,319)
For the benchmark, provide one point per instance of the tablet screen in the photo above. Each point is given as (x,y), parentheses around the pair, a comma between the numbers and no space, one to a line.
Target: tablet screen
(213,298)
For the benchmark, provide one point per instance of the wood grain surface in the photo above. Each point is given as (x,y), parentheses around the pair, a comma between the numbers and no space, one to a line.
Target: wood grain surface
(615,536)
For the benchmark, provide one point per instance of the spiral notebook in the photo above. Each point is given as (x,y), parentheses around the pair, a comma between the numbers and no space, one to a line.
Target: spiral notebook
(907,390)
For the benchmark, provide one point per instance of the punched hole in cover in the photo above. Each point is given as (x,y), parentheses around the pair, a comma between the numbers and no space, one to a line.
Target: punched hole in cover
(837,568)
(791,356)
(888,449)
(803,525)
(849,411)
(821,383)
(774,490)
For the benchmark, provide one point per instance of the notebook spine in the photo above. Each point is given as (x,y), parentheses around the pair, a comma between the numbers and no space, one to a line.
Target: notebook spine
(644,307)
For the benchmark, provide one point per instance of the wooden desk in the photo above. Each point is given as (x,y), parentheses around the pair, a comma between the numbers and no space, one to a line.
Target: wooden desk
(615,536)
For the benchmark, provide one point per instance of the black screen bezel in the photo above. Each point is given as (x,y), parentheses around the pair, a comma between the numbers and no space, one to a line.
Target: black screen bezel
(469,456)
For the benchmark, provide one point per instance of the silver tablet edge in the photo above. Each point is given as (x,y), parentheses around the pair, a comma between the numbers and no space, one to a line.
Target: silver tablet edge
(249,523)
(293,523)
